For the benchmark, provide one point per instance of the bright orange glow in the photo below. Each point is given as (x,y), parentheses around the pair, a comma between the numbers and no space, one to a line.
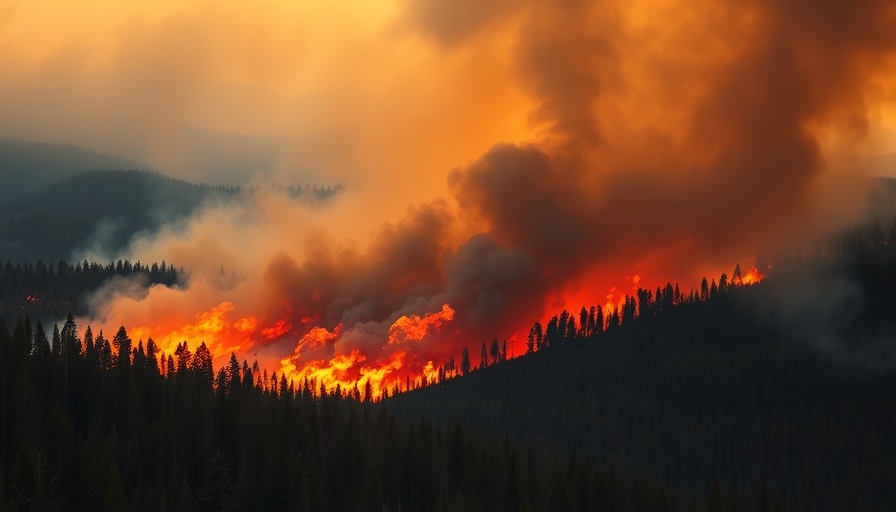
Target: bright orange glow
(751,277)
(247,324)
(382,367)
(430,372)
(211,327)
(415,328)
(344,372)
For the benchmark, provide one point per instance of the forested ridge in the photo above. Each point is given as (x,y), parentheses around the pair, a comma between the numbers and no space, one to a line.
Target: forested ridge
(50,292)
(776,396)
(26,168)
(690,405)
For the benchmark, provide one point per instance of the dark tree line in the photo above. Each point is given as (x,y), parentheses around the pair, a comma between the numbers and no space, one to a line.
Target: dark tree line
(44,291)
(101,423)
(594,321)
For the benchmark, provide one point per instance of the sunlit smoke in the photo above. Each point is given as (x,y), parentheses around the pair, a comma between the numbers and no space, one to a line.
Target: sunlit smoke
(584,143)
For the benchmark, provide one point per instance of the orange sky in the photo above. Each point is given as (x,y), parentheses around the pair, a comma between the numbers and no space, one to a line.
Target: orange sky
(357,94)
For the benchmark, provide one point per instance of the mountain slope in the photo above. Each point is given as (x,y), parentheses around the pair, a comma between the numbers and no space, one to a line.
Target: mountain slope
(711,391)
(106,207)
(28,167)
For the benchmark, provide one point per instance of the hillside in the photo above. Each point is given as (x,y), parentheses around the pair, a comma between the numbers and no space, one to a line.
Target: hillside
(28,167)
(728,390)
(97,207)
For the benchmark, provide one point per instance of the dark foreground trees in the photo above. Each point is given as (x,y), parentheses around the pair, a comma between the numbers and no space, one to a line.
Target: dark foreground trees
(96,424)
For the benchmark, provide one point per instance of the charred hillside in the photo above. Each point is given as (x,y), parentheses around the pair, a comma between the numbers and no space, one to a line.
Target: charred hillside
(737,390)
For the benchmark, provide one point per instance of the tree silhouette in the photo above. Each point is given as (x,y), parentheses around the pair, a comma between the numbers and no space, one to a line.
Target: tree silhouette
(201,364)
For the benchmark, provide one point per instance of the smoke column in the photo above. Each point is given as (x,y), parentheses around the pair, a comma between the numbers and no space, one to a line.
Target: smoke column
(598,144)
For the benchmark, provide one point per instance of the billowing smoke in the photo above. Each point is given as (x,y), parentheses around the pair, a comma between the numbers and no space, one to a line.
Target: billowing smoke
(661,142)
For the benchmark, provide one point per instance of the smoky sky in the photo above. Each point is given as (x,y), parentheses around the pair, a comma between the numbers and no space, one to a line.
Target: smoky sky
(594,140)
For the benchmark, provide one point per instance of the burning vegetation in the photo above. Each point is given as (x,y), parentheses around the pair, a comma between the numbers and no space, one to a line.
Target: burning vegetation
(402,360)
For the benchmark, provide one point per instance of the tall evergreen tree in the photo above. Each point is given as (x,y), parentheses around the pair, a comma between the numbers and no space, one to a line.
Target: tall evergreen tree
(122,344)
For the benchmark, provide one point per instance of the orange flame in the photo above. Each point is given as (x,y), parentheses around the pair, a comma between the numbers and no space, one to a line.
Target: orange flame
(350,357)
(211,327)
(378,370)
(415,328)
(316,356)
(277,330)
(751,277)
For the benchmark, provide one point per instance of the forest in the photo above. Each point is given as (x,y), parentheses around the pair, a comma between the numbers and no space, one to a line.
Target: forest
(769,397)
(685,402)
(43,291)
(97,423)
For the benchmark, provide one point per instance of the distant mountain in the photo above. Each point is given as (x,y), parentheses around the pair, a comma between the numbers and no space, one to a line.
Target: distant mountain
(114,205)
(27,167)
(106,209)
(226,157)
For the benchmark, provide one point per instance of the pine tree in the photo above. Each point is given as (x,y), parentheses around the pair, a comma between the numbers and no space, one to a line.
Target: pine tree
(218,492)
(201,364)
(123,344)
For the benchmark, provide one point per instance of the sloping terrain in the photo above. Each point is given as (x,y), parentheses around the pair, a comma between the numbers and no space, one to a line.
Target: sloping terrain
(724,391)
(28,167)
(97,207)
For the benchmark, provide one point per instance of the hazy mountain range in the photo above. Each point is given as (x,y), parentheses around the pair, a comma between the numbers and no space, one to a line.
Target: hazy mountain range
(58,200)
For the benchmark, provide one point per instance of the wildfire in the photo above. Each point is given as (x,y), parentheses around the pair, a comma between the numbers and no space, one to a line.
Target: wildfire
(211,327)
(379,369)
(751,277)
(277,330)
(365,359)
(415,328)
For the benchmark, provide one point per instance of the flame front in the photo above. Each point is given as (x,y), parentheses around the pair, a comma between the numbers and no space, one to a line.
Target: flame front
(211,327)
(320,357)
(751,277)
(389,365)
(369,358)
